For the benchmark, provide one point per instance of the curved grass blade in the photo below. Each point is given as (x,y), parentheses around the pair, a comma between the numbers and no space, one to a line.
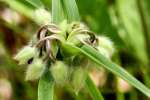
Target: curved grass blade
(98,58)
(46,87)
(92,89)
(57,11)
(36,3)
(47,4)
(71,10)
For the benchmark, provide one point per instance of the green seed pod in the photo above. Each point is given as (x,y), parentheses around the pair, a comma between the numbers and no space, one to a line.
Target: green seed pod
(59,72)
(105,46)
(35,70)
(25,54)
(78,79)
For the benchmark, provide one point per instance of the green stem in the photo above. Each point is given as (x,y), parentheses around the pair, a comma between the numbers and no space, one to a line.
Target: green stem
(46,87)
(120,96)
(92,89)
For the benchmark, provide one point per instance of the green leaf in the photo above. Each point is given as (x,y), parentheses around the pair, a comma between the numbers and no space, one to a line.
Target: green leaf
(47,4)
(98,58)
(57,12)
(71,10)
(144,10)
(93,90)
(36,3)
(46,87)
(130,17)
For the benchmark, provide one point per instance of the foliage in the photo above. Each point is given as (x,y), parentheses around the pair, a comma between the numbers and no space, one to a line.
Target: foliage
(64,52)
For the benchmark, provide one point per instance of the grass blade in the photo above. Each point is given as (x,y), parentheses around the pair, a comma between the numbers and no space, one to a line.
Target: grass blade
(46,87)
(47,4)
(71,10)
(19,7)
(98,58)
(57,11)
(130,17)
(92,89)
(35,3)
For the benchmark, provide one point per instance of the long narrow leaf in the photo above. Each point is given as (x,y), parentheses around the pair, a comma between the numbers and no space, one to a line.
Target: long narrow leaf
(57,11)
(71,10)
(35,3)
(98,58)
(46,87)
(130,17)
(94,92)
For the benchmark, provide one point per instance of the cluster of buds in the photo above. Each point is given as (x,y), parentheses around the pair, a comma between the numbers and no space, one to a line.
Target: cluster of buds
(66,64)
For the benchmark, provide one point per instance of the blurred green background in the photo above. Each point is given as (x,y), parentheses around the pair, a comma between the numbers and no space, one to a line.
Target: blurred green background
(125,22)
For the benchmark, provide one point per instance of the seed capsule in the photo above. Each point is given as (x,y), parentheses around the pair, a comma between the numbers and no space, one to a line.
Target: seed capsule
(35,70)
(25,54)
(59,72)
(105,46)
(78,79)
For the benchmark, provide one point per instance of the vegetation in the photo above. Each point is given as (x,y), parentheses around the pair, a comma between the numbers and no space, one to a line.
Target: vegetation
(76,56)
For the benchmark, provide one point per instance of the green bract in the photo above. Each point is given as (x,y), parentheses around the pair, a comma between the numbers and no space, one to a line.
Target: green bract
(60,72)
(25,54)
(35,70)
(78,79)
(105,46)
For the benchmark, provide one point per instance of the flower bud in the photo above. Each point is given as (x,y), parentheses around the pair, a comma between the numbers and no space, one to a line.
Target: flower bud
(59,72)
(25,54)
(105,46)
(78,79)
(35,70)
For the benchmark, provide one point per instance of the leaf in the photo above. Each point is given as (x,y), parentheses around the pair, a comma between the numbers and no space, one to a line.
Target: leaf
(98,58)
(144,10)
(20,7)
(36,3)
(57,12)
(47,4)
(130,17)
(92,89)
(71,10)
(46,87)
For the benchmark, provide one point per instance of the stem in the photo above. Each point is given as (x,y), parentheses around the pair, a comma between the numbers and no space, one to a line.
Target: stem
(92,89)
(145,28)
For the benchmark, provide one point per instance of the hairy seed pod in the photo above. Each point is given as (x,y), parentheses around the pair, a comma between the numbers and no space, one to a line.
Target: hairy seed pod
(25,54)
(78,79)
(59,72)
(105,46)
(42,16)
(35,70)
